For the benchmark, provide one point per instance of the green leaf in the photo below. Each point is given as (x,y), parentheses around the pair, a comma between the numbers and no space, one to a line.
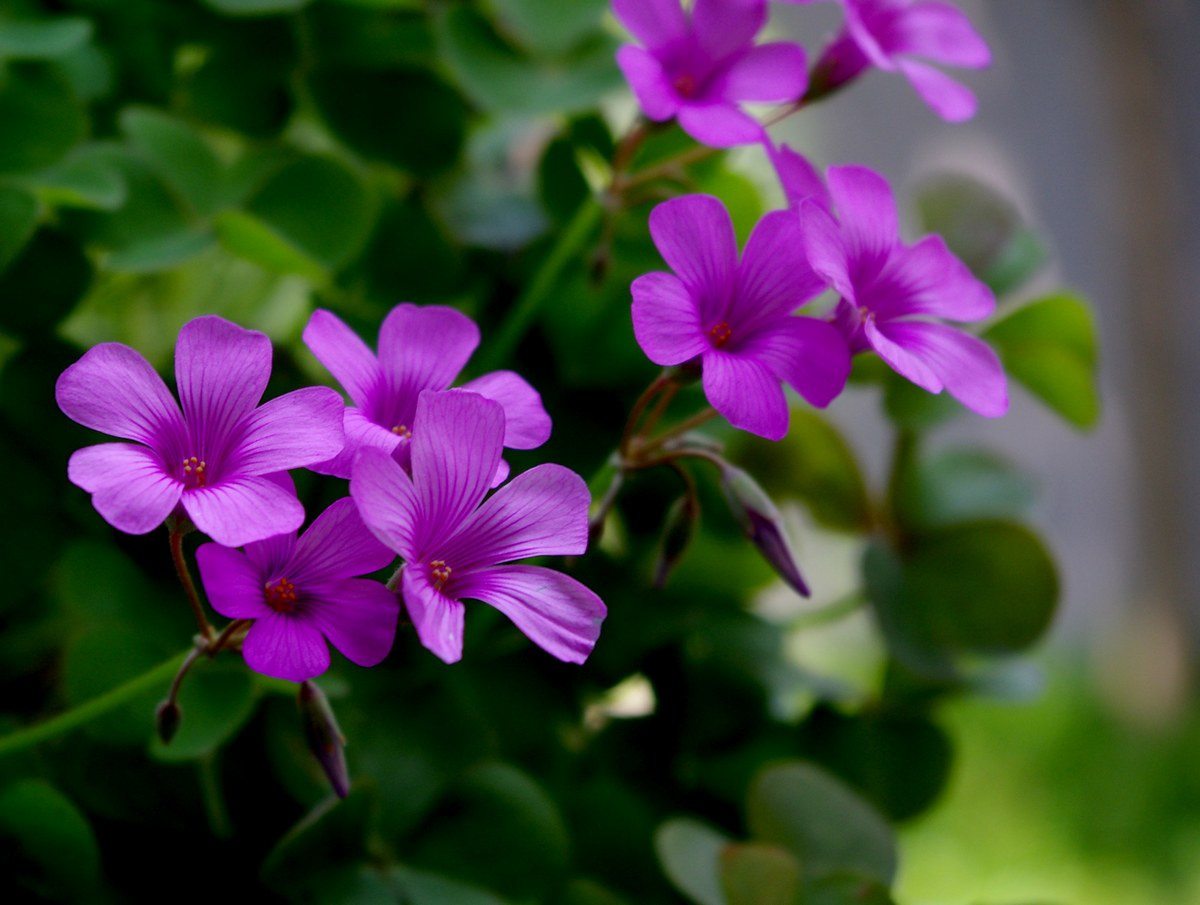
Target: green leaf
(847,889)
(959,485)
(35,39)
(249,237)
(548,26)
(42,118)
(690,853)
(423,888)
(500,79)
(256,7)
(47,848)
(582,891)
(18,220)
(82,181)
(159,253)
(179,156)
(372,38)
(43,284)
(912,408)
(756,874)
(216,701)
(247,92)
(332,836)
(1050,346)
(813,463)
(822,822)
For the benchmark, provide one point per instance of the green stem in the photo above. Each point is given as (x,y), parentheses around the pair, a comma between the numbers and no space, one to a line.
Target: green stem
(93,709)
(516,324)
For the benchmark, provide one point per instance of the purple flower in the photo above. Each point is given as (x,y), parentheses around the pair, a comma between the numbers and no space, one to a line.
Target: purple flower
(214,459)
(699,67)
(736,317)
(302,591)
(455,548)
(890,290)
(889,34)
(420,348)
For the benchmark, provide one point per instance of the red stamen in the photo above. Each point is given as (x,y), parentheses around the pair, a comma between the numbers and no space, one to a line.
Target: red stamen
(721,333)
(281,596)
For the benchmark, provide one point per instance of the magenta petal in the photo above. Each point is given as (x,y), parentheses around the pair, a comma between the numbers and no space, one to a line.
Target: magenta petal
(113,389)
(542,512)
(695,237)
(437,618)
(526,424)
(457,439)
(357,616)
(928,279)
(649,82)
(423,347)
(965,364)
(656,23)
(345,356)
(502,471)
(130,487)
(747,393)
(387,501)
(297,429)
(774,277)
(360,433)
(800,179)
(858,27)
(286,646)
(725,26)
(901,360)
(771,73)
(269,557)
(243,510)
(337,545)
(221,370)
(942,33)
(867,210)
(232,584)
(825,248)
(554,611)
(951,100)
(720,125)
(809,354)
(665,320)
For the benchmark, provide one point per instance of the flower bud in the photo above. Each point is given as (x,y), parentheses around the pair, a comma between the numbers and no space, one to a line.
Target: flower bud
(678,529)
(324,738)
(167,717)
(762,523)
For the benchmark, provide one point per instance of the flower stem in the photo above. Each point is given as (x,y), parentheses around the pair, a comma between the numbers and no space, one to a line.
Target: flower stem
(658,385)
(93,709)
(189,586)
(701,417)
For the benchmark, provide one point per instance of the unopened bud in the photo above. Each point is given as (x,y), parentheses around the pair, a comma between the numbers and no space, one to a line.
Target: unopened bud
(324,738)
(678,529)
(762,523)
(166,720)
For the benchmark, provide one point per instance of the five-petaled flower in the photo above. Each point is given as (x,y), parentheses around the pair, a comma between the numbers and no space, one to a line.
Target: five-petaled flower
(420,348)
(736,318)
(888,34)
(890,290)
(699,67)
(301,591)
(215,458)
(455,548)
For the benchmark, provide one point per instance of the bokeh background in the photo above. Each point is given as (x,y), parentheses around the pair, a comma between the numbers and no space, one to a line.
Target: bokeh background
(192,157)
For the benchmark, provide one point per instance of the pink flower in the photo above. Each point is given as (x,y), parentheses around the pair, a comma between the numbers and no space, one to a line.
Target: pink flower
(736,317)
(457,546)
(301,591)
(214,458)
(420,348)
(699,67)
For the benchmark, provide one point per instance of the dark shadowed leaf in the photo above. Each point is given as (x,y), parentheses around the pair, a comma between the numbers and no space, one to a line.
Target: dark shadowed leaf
(690,853)
(43,284)
(757,874)
(42,118)
(18,220)
(216,700)
(48,851)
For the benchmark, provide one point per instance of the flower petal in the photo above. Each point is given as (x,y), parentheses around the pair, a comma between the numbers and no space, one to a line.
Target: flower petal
(221,370)
(747,393)
(942,33)
(965,364)
(901,359)
(297,429)
(270,556)
(928,279)
(360,433)
(720,125)
(665,320)
(771,73)
(695,237)
(457,439)
(114,390)
(133,492)
(825,248)
(542,512)
(798,177)
(649,82)
(553,610)
(387,502)
(867,210)
(774,278)
(231,582)
(358,617)
(951,100)
(723,27)
(437,618)
(243,510)
(809,354)
(656,23)
(344,354)
(337,545)
(423,347)
(106,463)
(286,646)
(526,423)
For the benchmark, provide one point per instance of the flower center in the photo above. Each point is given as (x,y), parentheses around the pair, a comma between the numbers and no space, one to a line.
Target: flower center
(402,432)
(281,596)
(685,84)
(195,472)
(721,333)
(440,572)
